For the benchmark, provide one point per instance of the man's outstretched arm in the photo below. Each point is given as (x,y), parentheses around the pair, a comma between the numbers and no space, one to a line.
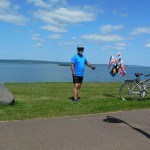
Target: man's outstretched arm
(91,66)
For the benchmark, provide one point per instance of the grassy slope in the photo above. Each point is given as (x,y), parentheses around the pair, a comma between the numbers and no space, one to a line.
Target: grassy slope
(38,100)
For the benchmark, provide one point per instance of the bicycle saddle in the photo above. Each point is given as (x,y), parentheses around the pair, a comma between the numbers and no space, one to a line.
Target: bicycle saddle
(138,74)
(130,81)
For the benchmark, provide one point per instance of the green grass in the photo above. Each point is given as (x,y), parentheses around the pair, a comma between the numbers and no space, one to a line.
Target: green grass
(40,100)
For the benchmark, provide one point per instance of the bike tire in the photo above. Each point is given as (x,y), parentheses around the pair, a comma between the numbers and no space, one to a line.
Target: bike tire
(130,91)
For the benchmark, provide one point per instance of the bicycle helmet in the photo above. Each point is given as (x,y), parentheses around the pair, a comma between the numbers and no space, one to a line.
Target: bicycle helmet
(80,48)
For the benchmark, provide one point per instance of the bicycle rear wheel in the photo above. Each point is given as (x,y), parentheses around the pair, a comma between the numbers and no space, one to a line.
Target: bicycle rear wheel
(129,91)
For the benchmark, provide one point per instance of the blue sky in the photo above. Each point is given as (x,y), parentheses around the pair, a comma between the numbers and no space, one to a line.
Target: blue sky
(52,29)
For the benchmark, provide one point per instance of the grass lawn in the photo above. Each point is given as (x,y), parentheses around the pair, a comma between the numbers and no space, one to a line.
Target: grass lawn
(40,100)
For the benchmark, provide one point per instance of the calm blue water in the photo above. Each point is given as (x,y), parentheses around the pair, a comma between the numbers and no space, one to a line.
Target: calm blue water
(54,73)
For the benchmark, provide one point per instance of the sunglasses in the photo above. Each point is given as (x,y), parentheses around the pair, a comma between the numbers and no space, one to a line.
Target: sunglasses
(80,50)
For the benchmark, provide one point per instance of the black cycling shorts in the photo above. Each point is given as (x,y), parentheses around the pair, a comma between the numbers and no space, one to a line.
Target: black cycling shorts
(77,79)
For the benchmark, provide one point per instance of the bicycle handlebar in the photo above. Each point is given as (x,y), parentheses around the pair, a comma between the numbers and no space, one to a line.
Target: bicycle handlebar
(147,75)
(139,74)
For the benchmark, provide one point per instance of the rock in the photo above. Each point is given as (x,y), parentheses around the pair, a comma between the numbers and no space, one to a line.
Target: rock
(6,97)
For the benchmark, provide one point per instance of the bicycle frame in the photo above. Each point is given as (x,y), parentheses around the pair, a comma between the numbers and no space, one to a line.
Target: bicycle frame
(131,89)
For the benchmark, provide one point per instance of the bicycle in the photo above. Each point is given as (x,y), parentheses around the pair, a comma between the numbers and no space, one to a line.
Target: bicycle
(135,89)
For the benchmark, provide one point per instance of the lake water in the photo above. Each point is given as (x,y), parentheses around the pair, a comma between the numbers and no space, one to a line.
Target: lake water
(18,72)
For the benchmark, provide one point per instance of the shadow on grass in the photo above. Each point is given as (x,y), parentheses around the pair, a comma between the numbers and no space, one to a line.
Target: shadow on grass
(71,98)
(111,119)
(111,95)
(108,95)
(146,99)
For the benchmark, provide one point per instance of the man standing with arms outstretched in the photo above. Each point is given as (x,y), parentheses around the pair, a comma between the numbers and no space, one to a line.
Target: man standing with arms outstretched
(78,62)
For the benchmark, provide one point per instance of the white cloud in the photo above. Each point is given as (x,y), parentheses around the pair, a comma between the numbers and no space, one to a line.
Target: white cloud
(115,46)
(66,43)
(48,4)
(55,36)
(38,44)
(62,17)
(38,40)
(147,45)
(38,3)
(110,28)
(57,15)
(108,47)
(54,28)
(13,18)
(120,13)
(141,30)
(35,36)
(74,38)
(8,13)
(4,5)
(102,38)
(121,44)
(118,48)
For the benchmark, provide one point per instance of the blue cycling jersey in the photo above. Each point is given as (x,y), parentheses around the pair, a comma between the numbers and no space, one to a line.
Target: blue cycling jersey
(79,62)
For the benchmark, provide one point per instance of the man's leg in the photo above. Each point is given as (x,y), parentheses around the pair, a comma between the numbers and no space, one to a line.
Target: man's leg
(77,84)
(76,90)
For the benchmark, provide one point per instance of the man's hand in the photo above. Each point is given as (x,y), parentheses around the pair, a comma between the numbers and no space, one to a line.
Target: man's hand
(93,67)
(73,74)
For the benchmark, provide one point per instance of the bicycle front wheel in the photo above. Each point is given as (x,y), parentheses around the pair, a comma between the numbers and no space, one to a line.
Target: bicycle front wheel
(129,91)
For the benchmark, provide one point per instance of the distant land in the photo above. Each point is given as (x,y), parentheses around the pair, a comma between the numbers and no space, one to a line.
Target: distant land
(32,62)
(22,61)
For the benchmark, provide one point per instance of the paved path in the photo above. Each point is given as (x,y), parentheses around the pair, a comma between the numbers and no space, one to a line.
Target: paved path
(129,130)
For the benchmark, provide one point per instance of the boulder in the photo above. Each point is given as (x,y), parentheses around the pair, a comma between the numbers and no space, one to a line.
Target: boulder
(6,97)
